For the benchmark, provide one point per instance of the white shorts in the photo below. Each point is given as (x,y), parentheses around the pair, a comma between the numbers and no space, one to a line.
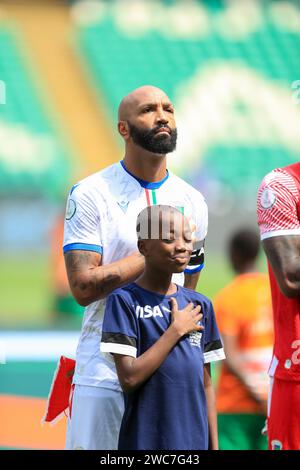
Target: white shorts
(95,419)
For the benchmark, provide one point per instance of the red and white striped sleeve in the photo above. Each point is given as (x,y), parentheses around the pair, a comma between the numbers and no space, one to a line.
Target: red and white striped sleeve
(277,204)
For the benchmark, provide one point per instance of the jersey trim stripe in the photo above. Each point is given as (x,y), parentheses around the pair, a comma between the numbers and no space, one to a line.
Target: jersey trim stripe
(115,348)
(147,197)
(213,356)
(277,233)
(83,246)
(74,187)
(213,346)
(273,366)
(154,197)
(269,400)
(146,184)
(118,338)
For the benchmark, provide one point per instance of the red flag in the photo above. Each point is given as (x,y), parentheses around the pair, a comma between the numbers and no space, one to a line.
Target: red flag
(61,390)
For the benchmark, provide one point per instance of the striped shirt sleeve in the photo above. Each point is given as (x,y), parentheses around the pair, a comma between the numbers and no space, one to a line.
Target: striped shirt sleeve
(277,204)
(213,347)
(119,331)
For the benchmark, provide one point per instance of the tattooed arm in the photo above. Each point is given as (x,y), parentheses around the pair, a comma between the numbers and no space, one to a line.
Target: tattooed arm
(283,253)
(90,281)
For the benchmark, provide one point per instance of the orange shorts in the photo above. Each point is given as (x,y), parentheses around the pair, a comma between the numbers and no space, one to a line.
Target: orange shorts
(284,415)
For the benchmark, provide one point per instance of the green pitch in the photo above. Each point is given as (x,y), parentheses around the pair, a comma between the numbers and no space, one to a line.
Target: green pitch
(25,291)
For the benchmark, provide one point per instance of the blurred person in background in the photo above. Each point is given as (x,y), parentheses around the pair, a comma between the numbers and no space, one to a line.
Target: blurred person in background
(278,215)
(244,314)
(100,247)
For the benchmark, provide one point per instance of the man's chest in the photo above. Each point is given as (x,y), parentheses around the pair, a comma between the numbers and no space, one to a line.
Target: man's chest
(122,211)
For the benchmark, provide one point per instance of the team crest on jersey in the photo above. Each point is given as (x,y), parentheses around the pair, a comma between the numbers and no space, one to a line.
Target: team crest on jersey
(267,198)
(71,209)
(195,339)
(276,445)
(123,205)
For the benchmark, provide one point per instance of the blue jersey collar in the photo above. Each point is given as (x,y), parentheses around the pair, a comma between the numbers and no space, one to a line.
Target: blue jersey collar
(146,184)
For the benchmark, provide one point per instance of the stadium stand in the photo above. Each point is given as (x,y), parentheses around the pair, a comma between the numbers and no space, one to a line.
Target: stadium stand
(243,58)
(31,150)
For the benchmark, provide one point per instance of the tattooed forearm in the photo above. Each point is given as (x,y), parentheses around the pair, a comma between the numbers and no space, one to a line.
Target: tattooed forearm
(78,260)
(89,281)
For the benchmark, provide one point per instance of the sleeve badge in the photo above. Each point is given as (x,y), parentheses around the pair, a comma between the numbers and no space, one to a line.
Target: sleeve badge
(267,198)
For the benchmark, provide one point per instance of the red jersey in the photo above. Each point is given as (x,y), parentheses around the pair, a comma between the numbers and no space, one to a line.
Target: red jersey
(278,213)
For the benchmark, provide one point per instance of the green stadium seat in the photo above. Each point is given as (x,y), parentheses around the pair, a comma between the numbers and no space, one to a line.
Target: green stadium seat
(33,158)
(119,63)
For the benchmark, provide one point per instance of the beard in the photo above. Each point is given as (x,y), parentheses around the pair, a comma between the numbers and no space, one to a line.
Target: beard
(153,142)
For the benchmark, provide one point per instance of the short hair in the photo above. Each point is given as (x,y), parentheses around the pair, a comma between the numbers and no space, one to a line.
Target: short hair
(245,243)
(154,221)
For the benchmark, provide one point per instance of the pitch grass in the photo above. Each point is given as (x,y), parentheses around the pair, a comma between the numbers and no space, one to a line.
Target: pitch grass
(25,291)
(27,296)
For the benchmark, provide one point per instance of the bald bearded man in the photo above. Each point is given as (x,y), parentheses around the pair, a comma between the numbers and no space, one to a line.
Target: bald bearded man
(100,248)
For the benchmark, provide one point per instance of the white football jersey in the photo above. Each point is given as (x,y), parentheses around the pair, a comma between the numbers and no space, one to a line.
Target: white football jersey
(101,216)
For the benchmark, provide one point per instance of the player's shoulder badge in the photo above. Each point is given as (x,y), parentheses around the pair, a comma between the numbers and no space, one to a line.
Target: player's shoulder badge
(267,198)
(71,209)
